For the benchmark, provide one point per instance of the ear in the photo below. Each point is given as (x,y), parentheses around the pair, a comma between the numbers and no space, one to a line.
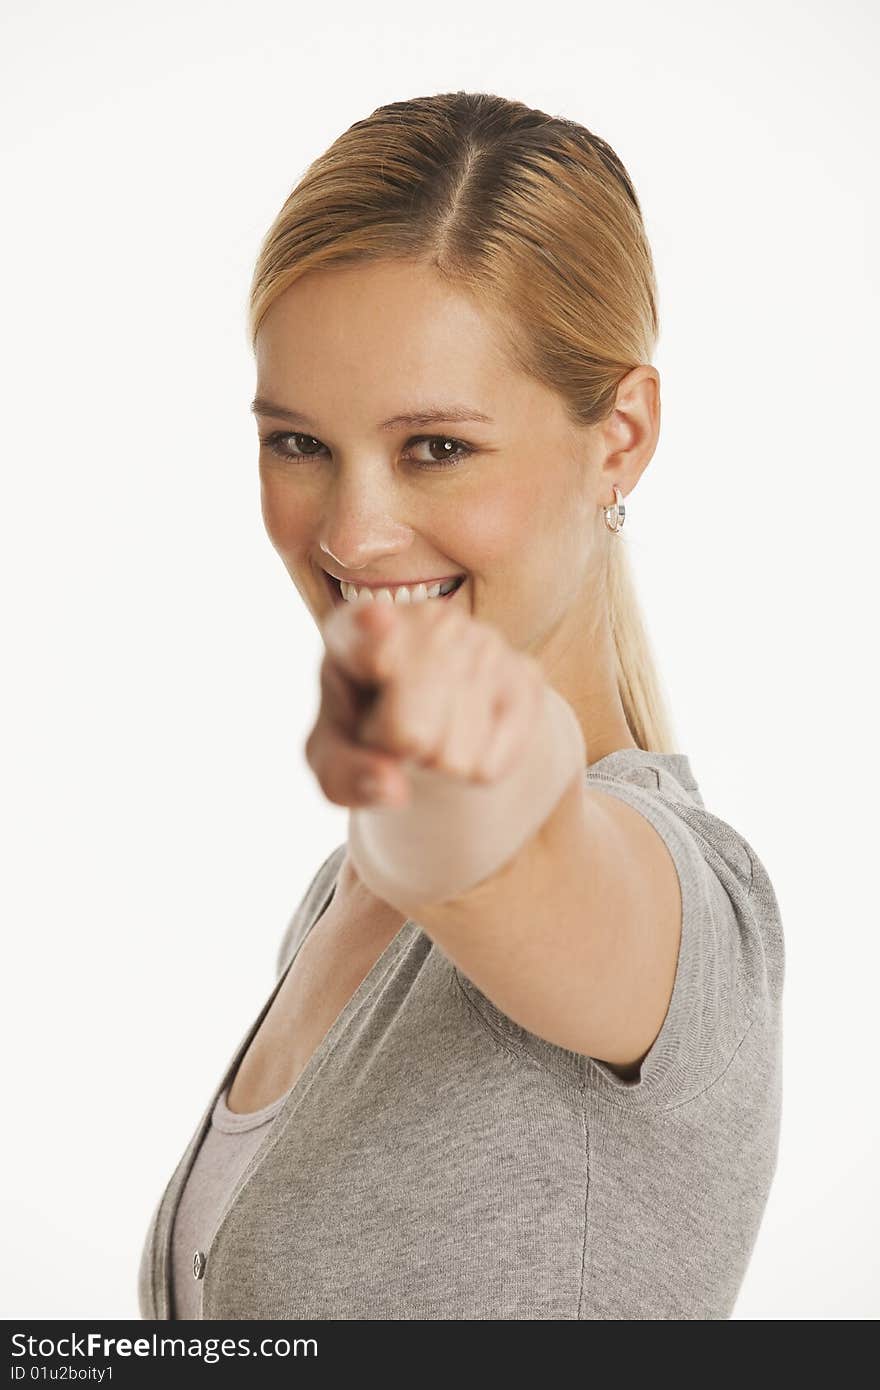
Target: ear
(630,432)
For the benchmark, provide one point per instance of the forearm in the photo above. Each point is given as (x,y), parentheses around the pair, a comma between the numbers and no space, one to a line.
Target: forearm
(454,834)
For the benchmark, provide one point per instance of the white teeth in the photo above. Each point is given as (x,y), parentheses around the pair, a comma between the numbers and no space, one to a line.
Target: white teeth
(419,593)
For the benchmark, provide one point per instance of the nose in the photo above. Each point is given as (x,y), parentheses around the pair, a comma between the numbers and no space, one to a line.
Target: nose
(354,543)
(339,561)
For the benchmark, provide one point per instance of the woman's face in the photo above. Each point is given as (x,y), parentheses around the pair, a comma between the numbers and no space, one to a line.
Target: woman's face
(493,483)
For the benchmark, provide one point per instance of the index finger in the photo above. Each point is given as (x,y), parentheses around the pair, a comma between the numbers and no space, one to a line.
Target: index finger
(353,636)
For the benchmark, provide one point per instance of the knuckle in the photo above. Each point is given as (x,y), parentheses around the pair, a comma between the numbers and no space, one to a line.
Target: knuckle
(492,635)
(450,624)
(459,766)
(418,741)
(532,666)
(534,676)
(329,780)
(494,650)
(309,748)
(404,726)
(485,775)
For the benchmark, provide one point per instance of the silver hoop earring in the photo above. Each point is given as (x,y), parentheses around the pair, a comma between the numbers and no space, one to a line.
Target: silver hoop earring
(615,513)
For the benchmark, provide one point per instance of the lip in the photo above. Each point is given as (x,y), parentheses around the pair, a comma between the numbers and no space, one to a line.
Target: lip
(395,583)
(336,592)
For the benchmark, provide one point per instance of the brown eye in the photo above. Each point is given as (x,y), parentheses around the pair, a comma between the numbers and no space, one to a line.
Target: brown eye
(277,443)
(310,439)
(445,458)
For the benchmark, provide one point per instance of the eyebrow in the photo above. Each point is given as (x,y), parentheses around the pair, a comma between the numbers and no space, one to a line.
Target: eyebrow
(427,415)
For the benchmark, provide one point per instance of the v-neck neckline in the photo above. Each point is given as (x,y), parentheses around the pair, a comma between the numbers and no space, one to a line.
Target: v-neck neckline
(330,1037)
(393,948)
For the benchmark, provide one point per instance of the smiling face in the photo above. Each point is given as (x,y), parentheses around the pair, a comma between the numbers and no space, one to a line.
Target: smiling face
(511,500)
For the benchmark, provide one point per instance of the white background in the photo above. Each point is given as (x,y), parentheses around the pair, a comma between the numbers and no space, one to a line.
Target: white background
(160,822)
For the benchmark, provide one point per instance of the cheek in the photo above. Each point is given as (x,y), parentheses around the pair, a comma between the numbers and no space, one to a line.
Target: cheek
(493,530)
(286,517)
(513,536)
(527,546)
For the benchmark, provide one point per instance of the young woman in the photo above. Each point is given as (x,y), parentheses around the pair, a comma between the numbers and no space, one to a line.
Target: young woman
(522,1059)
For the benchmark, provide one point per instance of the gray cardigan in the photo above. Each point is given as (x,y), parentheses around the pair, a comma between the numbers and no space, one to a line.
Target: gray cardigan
(435,1160)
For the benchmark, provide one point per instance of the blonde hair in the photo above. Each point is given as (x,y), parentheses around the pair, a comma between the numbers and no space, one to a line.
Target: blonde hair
(537,219)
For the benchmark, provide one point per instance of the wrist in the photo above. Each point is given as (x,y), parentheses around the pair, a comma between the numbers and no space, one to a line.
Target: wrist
(454,834)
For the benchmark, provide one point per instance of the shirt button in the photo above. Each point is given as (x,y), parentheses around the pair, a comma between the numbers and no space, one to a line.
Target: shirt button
(199,1263)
